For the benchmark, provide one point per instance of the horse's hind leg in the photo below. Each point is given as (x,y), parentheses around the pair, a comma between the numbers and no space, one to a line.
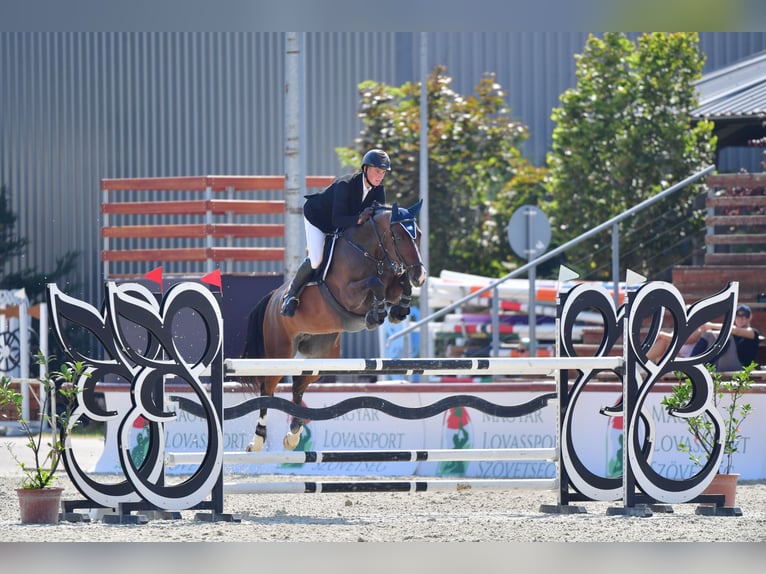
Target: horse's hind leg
(293,436)
(259,438)
(327,346)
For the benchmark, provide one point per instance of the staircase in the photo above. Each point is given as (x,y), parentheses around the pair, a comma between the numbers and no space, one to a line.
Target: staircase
(735,246)
(735,250)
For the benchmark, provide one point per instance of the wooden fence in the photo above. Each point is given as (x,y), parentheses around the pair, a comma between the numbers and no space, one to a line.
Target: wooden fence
(192,224)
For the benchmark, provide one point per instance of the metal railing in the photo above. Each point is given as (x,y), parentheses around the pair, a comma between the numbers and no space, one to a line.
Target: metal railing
(611,223)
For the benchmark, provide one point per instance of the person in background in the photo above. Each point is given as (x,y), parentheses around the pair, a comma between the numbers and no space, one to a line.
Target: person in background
(740,350)
(742,346)
(346,202)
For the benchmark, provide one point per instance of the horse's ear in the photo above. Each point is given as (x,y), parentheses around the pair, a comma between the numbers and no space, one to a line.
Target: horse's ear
(415,209)
(395,215)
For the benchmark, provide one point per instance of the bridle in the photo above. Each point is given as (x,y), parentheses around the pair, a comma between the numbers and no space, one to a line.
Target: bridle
(399,267)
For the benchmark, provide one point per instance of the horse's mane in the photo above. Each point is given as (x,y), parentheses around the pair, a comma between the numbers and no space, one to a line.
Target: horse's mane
(381,207)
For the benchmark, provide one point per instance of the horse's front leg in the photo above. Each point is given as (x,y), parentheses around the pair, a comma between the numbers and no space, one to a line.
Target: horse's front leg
(359,291)
(377,314)
(399,312)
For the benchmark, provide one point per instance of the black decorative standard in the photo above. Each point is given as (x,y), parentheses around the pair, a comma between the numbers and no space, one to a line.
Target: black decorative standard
(584,297)
(639,321)
(649,303)
(135,333)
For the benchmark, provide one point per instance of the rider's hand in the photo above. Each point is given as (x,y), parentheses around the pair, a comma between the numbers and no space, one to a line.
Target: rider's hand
(365,214)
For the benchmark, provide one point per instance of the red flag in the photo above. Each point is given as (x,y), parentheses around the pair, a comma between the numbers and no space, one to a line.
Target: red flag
(213,278)
(155,275)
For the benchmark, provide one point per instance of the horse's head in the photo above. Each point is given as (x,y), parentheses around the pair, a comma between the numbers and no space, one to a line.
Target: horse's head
(405,241)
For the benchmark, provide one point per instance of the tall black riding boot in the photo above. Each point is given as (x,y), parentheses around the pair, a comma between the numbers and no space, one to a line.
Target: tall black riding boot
(302,276)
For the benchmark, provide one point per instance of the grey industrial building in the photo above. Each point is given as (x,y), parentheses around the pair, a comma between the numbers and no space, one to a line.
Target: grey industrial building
(76,107)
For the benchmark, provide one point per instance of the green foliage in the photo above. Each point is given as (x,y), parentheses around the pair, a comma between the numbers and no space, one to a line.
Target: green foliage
(42,439)
(32,281)
(623,134)
(476,173)
(701,427)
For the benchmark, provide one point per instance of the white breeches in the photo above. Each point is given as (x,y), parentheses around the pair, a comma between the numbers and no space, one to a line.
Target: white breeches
(315,241)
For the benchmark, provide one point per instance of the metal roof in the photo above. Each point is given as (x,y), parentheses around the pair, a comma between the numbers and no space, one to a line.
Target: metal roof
(734,93)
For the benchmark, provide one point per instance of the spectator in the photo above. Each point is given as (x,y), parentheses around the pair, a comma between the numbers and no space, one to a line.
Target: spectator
(744,338)
(740,349)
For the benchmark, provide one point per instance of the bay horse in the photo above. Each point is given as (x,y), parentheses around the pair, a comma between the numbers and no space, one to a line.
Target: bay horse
(368,272)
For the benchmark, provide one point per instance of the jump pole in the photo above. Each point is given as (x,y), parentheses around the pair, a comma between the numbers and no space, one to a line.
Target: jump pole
(297,487)
(303,457)
(480,366)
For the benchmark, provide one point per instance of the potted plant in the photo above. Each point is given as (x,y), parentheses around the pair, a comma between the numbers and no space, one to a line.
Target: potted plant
(701,429)
(39,500)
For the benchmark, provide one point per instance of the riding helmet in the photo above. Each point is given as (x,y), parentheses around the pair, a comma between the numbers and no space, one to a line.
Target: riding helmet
(377,158)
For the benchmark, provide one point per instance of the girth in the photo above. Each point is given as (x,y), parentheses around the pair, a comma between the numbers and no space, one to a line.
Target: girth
(350,321)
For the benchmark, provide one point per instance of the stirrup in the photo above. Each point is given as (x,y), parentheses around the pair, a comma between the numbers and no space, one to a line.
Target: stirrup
(290,306)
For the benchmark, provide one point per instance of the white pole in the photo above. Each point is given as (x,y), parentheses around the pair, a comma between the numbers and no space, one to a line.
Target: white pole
(295,176)
(24,357)
(425,342)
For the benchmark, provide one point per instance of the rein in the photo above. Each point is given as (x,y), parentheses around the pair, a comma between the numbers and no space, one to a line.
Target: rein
(398,268)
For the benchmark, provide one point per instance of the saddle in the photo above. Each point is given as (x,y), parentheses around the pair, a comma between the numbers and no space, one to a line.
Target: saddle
(352,322)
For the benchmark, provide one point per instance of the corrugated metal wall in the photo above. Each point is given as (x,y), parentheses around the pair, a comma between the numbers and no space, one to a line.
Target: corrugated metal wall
(78,107)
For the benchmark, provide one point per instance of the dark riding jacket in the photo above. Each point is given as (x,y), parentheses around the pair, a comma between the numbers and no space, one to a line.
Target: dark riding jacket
(339,204)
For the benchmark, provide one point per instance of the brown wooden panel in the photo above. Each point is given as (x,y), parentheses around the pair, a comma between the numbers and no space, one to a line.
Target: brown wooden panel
(235,230)
(191,207)
(187,183)
(742,239)
(247,253)
(246,183)
(245,207)
(736,220)
(738,201)
(735,259)
(196,254)
(184,254)
(746,180)
(215,182)
(319,180)
(192,230)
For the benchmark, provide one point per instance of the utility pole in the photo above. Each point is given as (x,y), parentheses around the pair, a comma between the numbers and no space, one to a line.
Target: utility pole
(295,163)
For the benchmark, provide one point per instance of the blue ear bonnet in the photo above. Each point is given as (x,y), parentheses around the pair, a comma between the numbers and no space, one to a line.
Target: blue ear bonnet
(406,217)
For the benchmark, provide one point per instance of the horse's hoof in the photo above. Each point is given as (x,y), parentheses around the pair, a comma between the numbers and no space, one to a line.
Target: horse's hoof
(374,319)
(291,440)
(398,314)
(255,445)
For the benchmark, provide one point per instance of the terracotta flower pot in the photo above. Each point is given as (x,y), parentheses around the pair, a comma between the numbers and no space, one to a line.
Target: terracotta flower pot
(725,484)
(39,505)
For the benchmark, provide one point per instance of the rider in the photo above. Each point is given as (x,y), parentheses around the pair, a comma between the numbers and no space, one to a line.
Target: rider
(346,202)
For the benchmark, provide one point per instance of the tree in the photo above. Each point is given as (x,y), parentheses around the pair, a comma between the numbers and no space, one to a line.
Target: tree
(623,134)
(477,174)
(12,246)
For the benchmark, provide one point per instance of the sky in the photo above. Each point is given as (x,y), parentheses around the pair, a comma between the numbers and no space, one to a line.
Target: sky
(390,15)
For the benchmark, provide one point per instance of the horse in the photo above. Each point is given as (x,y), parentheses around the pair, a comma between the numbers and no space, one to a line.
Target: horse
(367,274)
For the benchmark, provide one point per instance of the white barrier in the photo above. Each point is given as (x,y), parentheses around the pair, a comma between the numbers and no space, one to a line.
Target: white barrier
(303,457)
(482,366)
(386,486)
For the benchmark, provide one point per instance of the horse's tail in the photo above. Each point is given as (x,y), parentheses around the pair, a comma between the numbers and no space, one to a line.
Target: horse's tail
(254,347)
